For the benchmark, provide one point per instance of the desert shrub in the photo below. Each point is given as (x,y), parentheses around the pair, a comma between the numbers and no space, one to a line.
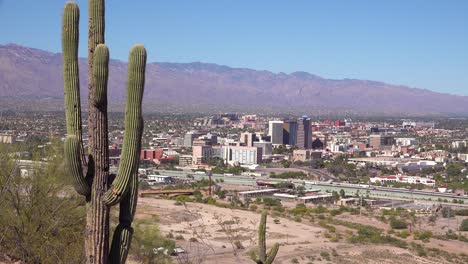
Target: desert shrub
(447,212)
(424,236)
(464,225)
(253,207)
(147,237)
(278,208)
(210,200)
(142,185)
(271,202)
(320,209)
(404,234)
(398,223)
(325,255)
(335,212)
(462,212)
(40,220)
(183,199)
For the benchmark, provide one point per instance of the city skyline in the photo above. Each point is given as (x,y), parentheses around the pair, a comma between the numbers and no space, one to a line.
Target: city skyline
(415,44)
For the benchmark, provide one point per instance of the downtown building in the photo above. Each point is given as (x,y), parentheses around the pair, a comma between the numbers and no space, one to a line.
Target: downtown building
(290,132)
(304,135)
(232,155)
(275,131)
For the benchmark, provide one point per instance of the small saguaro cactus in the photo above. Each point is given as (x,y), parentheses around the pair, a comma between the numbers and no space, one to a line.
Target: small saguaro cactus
(90,172)
(264,257)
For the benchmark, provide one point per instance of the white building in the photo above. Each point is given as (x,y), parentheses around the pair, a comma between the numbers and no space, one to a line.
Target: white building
(242,155)
(459,144)
(159,179)
(403,179)
(406,141)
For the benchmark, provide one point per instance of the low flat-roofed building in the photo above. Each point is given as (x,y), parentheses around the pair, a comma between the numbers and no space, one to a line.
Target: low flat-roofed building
(159,178)
(257,193)
(315,198)
(285,196)
(346,201)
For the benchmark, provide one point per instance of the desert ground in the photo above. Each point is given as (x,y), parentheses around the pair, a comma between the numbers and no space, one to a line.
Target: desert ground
(210,234)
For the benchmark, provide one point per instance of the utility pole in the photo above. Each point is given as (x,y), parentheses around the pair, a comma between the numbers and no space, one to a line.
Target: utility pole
(360,207)
(448,218)
(209,180)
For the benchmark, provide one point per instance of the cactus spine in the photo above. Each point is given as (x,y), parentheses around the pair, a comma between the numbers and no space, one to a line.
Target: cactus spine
(264,257)
(90,172)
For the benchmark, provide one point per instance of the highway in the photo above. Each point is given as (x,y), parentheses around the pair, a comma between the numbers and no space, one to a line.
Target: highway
(350,189)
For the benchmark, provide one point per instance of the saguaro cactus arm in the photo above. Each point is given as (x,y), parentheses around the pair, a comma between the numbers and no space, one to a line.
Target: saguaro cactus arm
(74,154)
(73,163)
(123,233)
(133,126)
(272,254)
(70,37)
(100,75)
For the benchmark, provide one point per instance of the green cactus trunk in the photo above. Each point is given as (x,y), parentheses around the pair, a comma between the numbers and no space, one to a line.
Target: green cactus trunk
(90,173)
(264,257)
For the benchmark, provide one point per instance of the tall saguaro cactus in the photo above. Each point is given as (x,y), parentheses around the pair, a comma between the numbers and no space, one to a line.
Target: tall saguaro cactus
(264,257)
(90,172)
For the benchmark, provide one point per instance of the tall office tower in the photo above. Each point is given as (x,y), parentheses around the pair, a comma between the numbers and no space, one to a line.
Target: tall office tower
(303,133)
(275,130)
(290,132)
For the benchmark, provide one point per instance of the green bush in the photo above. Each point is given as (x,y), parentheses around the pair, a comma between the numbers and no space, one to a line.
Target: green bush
(398,223)
(464,225)
(290,175)
(183,199)
(40,220)
(424,236)
(271,202)
(147,237)
(462,212)
(335,212)
(404,234)
(447,212)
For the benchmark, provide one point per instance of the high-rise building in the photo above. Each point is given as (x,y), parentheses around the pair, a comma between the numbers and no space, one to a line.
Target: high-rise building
(290,132)
(303,133)
(275,130)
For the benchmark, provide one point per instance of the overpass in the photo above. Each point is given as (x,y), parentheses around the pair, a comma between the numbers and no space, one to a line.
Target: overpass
(165,192)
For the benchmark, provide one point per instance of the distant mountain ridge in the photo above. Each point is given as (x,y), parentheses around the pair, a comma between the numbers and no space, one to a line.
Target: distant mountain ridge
(32,73)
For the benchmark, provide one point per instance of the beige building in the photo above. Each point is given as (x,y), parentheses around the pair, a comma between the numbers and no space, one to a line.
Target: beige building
(7,139)
(306,154)
(185,160)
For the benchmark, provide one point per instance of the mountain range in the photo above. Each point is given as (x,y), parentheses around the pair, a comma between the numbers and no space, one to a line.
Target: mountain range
(33,74)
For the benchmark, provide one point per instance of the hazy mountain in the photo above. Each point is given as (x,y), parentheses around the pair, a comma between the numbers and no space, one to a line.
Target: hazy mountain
(27,73)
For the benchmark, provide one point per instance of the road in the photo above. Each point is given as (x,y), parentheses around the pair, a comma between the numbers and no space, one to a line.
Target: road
(350,189)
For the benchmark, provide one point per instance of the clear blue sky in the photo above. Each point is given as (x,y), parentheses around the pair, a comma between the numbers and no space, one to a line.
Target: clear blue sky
(419,43)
